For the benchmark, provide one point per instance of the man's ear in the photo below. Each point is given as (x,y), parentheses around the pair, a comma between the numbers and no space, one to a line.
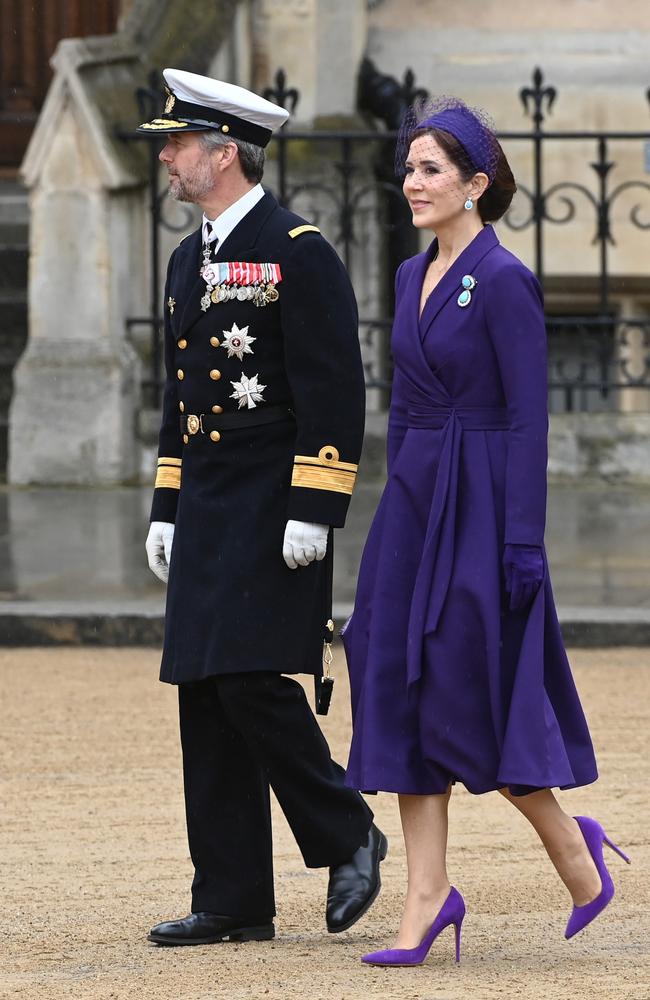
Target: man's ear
(229,154)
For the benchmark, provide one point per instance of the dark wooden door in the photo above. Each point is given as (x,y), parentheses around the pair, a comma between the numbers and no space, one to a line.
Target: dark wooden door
(30,30)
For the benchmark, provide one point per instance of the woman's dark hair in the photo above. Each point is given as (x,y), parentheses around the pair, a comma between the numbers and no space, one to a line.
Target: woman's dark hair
(495,200)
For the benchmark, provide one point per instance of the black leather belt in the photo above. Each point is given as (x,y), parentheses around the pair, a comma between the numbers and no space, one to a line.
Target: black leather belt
(203,423)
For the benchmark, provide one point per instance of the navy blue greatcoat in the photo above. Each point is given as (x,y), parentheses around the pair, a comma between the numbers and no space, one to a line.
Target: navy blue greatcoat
(233,606)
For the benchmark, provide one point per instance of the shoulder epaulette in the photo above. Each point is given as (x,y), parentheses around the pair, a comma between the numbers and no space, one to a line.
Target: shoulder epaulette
(303,229)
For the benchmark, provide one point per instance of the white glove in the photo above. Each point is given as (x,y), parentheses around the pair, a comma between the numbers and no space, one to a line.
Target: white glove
(304,542)
(159,548)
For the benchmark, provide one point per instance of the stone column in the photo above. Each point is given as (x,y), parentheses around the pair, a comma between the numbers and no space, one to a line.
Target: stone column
(318,43)
(73,413)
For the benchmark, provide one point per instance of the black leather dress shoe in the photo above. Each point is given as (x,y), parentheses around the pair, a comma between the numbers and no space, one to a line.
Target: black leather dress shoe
(354,886)
(210,928)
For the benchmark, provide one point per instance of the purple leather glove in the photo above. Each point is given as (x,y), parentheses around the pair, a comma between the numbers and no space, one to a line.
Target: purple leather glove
(523,566)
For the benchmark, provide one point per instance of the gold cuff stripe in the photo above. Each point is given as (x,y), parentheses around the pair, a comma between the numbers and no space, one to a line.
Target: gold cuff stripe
(163,123)
(169,479)
(303,229)
(170,461)
(325,463)
(319,478)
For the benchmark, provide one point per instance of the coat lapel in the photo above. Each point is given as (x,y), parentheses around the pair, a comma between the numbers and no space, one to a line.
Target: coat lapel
(407,346)
(190,286)
(238,245)
(450,283)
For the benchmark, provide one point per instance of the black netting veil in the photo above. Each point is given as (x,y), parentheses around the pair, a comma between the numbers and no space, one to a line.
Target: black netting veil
(470,127)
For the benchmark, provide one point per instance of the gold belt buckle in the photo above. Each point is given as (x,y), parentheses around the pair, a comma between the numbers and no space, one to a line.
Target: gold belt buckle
(193,423)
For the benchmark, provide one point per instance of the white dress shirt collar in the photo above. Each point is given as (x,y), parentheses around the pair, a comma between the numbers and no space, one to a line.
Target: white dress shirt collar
(224,224)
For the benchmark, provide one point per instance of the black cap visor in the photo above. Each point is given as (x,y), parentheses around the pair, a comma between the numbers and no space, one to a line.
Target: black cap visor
(186,117)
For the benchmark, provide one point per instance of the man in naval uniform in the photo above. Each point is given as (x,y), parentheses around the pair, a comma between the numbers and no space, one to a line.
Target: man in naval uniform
(261,433)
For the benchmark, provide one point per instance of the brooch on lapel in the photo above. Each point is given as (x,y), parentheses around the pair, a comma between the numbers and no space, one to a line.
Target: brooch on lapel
(241,280)
(465,297)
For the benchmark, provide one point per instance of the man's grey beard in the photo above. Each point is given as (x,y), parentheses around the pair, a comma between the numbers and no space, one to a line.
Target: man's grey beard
(194,187)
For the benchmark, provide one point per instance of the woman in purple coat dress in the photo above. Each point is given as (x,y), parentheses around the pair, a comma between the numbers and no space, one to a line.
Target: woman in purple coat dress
(457,667)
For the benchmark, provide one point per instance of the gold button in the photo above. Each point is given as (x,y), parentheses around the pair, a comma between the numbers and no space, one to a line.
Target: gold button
(214,374)
(181,374)
(182,343)
(185,439)
(225,128)
(181,406)
(215,341)
(215,436)
(217,409)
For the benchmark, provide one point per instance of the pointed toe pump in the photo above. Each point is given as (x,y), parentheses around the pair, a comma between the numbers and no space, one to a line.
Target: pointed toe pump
(595,837)
(451,912)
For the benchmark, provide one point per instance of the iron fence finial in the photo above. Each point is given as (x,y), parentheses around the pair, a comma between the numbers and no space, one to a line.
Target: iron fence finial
(280,94)
(538,94)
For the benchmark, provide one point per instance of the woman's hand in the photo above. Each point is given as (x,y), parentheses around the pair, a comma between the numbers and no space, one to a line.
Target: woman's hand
(523,566)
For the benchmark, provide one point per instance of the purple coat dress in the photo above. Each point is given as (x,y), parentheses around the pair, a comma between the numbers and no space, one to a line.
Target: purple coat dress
(447,683)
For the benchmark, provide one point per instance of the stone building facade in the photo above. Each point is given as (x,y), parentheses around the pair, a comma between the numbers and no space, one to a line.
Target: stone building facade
(88,192)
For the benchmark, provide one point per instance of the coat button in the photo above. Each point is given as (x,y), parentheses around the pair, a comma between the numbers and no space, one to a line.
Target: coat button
(181,406)
(215,341)
(214,374)
(217,409)
(215,436)
(186,439)
(181,374)
(182,343)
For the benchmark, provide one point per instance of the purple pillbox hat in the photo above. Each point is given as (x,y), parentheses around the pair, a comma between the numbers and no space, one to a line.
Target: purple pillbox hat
(470,127)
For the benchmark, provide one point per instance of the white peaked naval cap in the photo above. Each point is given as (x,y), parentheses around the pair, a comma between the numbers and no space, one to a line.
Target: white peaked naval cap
(195,103)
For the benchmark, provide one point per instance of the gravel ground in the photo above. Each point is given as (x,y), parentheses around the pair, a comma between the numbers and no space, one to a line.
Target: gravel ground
(93,852)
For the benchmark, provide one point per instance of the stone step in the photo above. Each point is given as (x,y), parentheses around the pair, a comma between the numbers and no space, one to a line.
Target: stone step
(4,450)
(135,623)
(14,234)
(13,320)
(14,204)
(13,265)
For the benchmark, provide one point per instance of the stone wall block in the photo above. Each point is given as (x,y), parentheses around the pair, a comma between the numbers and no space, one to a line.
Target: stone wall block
(77,385)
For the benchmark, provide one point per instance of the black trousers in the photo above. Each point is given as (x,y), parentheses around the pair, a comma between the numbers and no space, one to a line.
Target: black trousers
(240,734)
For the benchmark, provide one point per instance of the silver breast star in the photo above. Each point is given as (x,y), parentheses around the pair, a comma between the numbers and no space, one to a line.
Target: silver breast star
(237,342)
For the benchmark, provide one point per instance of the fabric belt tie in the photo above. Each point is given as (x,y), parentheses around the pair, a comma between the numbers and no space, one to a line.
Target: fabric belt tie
(203,423)
(434,575)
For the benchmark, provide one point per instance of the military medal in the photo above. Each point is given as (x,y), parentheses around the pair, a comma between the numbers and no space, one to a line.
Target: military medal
(242,280)
(248,392)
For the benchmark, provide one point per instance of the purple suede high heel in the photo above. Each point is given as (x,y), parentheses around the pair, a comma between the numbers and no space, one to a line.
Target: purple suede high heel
(595,837)
(452,911)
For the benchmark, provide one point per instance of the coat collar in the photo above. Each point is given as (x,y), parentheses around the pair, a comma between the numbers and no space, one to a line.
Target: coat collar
(450,283)
(238,245)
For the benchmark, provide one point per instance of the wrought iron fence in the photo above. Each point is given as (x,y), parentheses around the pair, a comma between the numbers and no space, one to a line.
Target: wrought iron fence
(344,181)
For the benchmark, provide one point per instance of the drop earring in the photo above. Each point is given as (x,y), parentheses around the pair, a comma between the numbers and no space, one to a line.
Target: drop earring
(469,205)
